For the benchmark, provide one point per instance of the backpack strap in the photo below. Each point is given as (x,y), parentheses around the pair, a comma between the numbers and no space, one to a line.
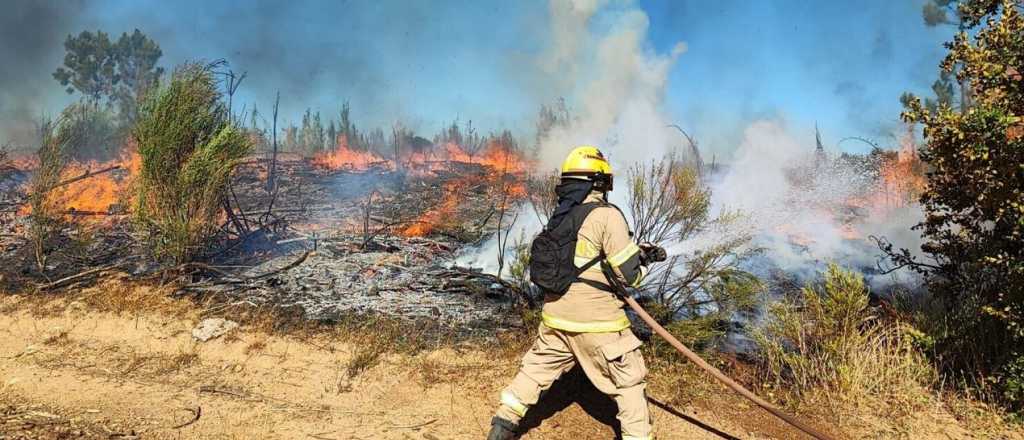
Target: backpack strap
(601,256)
(590,264)
(585,210)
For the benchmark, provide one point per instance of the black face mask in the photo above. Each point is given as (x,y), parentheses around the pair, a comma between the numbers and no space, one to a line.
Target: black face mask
(603,182)
(571,192)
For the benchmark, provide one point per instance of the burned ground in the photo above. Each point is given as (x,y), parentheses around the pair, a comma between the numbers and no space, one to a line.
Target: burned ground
(326,242)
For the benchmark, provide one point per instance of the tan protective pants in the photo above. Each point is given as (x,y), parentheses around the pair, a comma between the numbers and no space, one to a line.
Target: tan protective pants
(612,361)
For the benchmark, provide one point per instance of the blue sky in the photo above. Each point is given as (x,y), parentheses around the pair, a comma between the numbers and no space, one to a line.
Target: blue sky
(840,64)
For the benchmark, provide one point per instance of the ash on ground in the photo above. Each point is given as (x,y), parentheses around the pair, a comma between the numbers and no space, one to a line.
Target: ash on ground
(410,279)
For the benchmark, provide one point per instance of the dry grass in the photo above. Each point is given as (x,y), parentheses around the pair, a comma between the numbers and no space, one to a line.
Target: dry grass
(678,382)
(58,337)
(824,353)
(363,359)
(368,347)
(255,346)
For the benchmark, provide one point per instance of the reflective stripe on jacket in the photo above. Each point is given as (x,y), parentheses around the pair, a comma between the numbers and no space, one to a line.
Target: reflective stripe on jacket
(586,308)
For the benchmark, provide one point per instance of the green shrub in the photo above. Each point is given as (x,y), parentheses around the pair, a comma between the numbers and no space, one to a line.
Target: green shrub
(98,136)
(189,149)
(826,350)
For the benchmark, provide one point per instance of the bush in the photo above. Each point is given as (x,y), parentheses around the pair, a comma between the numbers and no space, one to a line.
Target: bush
(46,216)
(98,135)
(695,294)
(826,350)
(189,150)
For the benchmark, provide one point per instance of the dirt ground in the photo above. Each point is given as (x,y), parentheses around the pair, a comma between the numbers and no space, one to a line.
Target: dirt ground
(75,372)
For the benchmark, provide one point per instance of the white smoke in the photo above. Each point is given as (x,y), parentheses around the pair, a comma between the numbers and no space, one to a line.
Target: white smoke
(525,224)
(802,228)
(598,61)
(615,85)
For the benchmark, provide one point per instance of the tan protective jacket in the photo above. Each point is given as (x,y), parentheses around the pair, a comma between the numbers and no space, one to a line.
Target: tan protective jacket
(587,308)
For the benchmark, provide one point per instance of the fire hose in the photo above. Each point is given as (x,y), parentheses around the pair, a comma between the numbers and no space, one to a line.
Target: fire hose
(718,375)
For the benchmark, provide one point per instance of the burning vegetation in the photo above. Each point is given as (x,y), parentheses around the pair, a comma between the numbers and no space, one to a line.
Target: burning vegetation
(324,221)
(343,191)
(190,189)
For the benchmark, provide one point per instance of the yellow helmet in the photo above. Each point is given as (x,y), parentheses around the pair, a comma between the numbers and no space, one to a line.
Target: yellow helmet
(588,163)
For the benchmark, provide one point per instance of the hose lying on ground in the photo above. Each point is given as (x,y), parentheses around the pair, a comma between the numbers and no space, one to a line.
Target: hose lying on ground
(721,377)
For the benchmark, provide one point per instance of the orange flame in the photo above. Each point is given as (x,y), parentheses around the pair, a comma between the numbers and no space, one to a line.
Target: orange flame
(502,168)
(99,193)
(24,163)
(435,218)
(345,158)
(901,181)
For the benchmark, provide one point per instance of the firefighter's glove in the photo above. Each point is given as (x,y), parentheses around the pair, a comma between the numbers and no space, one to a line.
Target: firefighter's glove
(651,253)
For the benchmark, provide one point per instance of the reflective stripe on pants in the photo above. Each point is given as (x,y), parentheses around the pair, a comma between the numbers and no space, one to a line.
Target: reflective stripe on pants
(584,327)
(611,360)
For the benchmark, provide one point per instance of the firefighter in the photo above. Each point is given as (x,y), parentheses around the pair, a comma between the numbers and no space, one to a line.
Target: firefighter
(587,324)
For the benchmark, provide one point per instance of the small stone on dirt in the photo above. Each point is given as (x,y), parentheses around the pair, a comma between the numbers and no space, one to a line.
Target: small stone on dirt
(212,328)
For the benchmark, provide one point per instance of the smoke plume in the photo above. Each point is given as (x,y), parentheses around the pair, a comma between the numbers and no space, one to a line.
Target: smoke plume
(615,83)
(32,33)
(616,87)
(803,227)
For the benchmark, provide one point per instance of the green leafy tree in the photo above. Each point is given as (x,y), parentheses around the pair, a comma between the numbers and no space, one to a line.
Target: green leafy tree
(90,66)
(189,149)
(974,200)
(115,73)
(137,71)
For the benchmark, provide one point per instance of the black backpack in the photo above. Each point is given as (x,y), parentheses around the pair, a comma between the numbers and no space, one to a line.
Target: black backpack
(552,254)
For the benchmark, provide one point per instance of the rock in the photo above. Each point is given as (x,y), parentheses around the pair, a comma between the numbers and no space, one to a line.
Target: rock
(213,327)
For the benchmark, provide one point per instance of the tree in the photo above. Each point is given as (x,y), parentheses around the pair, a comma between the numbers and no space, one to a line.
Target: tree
(948,12)
(937,12)
(90,66)
(550,118)
(311,135)
(332,135)
(944,92)
(116,74)
(345,126)
(974,200)
(137,72)
(98,136)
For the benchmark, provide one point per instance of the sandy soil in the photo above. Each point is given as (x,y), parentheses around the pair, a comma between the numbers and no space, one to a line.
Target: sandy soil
(93,374)
(73,372)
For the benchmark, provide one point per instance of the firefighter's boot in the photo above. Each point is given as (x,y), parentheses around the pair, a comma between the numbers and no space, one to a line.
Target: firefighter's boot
(502,429)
